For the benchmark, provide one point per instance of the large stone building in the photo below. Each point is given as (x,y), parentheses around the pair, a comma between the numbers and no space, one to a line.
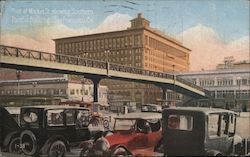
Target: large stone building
(139,46)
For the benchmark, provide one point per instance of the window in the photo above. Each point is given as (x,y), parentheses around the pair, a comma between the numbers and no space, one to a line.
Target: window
(55,117)
(82,118)
(70,117)
(213,128)
(231,125)
(72,92)
(180,122)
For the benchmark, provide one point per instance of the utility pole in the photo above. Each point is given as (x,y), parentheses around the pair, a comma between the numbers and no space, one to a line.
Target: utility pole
(18,75)
(174,84)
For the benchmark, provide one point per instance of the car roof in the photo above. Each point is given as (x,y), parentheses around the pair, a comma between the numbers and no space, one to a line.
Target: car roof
(47,107)
(140,115)
(205,110)
(13,110)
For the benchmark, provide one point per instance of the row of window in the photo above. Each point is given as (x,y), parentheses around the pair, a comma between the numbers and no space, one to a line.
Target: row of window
(158,45)
(233,94)
(86,92)
(112,53)
(100,44)
(33,92)
(221,82)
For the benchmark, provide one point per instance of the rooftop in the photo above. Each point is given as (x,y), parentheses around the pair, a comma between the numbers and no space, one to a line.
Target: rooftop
(140,115)
(47,107)
(205,110)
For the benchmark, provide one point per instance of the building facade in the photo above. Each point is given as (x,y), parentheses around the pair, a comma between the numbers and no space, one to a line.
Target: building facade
(49,91)
(138,46)
(229,86)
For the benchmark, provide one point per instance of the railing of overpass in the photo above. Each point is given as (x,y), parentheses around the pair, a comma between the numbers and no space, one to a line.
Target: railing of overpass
(67,59)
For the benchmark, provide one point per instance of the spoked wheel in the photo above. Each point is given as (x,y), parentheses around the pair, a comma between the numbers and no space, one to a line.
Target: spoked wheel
(57,149)
(106,123)
(15,146)
(28,142)
(121,152)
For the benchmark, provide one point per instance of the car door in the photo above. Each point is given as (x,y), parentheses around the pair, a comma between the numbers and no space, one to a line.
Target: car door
(70,120)
(141,140)
(226,126)
(213,132)
(155,135)
(81,127)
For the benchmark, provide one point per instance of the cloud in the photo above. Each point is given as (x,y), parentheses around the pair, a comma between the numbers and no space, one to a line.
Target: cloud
(40,37)
(208,49)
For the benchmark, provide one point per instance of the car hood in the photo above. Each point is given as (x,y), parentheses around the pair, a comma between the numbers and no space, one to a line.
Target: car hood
(8,124)
(120,138)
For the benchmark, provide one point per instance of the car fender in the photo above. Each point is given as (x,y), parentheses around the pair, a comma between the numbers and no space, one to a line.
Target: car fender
(9,136)
(237,139)
(47,144)
(213,153)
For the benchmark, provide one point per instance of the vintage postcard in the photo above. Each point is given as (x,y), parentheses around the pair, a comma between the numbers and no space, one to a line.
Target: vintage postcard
(124,78)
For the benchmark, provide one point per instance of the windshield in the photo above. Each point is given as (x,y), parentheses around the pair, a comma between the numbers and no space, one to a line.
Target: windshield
(124,124)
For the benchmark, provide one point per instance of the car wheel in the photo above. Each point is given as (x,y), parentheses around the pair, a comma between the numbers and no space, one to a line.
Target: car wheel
(28,142)
(14,146)
(57,149)
(106,123)
(84,153)
(120,151)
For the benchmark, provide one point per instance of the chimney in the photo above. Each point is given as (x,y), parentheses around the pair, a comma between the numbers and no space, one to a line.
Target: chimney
(139,15)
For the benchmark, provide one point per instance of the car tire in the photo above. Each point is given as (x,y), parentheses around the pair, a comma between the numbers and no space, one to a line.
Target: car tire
(106,123)
(27,138)
(14,146)
(120,151)
(84,153)
(57,149)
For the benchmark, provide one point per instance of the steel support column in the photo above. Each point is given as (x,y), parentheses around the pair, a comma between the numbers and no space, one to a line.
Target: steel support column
(164,96)
(96,82)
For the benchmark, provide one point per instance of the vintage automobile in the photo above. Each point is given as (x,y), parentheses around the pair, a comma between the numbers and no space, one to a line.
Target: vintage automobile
(9,131)
(199,131)
(52,130)
(136,134)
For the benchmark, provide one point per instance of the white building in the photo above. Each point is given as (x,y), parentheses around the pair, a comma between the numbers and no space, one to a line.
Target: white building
(229,86)
(48,91)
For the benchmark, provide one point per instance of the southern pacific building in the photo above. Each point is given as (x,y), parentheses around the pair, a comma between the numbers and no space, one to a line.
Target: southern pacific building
(138,46)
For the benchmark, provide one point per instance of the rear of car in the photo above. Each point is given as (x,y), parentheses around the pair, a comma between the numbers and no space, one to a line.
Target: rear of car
(183,132)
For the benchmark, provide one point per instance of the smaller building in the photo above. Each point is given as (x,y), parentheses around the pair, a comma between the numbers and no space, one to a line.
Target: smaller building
(230,85)
(42,91)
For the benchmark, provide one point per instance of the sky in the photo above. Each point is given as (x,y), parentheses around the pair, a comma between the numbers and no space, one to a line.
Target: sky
(212,29)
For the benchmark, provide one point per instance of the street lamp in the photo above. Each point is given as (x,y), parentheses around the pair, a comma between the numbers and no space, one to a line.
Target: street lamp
(239,83)
(174,83)
(18,75)
(107,60)
(34,85)
(83,88)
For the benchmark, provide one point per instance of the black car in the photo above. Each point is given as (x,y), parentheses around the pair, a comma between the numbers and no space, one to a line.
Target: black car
(200,132)
(52,130)
(9,132)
